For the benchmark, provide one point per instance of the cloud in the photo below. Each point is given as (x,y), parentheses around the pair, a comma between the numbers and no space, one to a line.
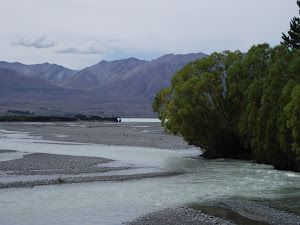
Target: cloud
(90,47)
(35,41)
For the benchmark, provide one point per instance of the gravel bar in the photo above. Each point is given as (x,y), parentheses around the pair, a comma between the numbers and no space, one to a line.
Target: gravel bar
(52,164)
(258,212)
(47,164)
(71,180)
(178,216)
(149,135)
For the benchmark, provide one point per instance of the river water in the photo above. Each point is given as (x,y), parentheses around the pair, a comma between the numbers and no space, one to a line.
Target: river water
(139,120)
(117,202)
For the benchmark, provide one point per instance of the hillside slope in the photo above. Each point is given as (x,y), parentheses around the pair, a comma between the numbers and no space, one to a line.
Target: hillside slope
(102,72)
(52,72)
(20,92)
(120,87)
(148,79)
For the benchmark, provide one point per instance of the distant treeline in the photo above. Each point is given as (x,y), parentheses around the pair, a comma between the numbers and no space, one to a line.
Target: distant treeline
(32,118)
(19,112)
(97,118)
(37,118)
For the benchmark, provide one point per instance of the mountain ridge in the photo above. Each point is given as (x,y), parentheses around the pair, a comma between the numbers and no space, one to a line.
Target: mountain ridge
(52,72)
(149,79)
(20,92)
(126,85)
(102,71)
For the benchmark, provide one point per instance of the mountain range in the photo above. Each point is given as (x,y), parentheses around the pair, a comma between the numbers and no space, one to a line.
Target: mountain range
(122,87)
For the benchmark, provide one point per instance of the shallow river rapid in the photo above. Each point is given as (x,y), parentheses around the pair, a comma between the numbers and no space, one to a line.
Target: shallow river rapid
(117,202)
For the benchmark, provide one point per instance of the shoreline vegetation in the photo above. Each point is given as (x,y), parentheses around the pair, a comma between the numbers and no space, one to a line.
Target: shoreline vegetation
(233,104)
(30,117)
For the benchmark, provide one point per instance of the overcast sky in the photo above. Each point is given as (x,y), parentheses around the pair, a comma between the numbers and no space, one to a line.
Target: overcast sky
(80,33)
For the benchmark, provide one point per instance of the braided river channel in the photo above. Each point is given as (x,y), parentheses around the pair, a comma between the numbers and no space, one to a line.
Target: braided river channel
(122,201)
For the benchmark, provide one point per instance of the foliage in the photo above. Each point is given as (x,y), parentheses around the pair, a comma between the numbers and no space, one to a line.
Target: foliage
(33,118)
(230,104)
(60,180)
(293,38)
(201,107)
(39,118)
(19,112)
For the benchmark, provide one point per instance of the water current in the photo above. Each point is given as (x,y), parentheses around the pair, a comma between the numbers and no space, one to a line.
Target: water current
(117,202)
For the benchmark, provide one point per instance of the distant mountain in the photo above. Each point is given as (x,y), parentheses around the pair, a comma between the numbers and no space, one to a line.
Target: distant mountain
(13,82)
(147,79)
(51,72)
(20,92)
(120,87)
(103,71)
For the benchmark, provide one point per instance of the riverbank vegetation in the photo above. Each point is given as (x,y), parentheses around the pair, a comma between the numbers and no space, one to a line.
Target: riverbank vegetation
(40,118)
(231,104)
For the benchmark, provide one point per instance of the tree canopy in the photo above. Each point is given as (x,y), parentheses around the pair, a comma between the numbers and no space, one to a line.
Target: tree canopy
(232,104)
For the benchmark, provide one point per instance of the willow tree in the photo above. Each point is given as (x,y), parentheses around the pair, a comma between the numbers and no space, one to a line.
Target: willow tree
(264,122)
(231,104)
(201,107)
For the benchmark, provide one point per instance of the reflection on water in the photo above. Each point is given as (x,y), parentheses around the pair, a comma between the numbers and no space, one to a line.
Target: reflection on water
(116,202)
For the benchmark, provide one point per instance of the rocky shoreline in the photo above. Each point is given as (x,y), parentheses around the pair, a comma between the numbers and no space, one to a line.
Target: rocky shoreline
(258,212)
(179,215)
(250,212)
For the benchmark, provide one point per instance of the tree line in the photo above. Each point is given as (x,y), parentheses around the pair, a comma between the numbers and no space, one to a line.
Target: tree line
(39,118)
(232,104)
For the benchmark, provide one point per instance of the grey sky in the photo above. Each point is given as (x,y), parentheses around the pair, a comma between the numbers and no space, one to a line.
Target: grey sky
(80,33)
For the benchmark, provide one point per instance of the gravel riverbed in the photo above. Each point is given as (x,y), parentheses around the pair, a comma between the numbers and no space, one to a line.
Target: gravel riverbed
(258,212)
(149,135)
(64,166)
(53,169)
(176,216)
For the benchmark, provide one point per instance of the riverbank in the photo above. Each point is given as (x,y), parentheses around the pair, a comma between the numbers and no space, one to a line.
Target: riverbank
(231,212)
(178,216)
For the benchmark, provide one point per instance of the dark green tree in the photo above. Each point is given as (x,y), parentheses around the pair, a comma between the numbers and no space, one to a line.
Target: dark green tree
(232,104)
(271,138)
(292,39)
(201,107)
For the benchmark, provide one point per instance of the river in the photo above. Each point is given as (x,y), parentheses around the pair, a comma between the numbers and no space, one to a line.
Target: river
(117,202)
